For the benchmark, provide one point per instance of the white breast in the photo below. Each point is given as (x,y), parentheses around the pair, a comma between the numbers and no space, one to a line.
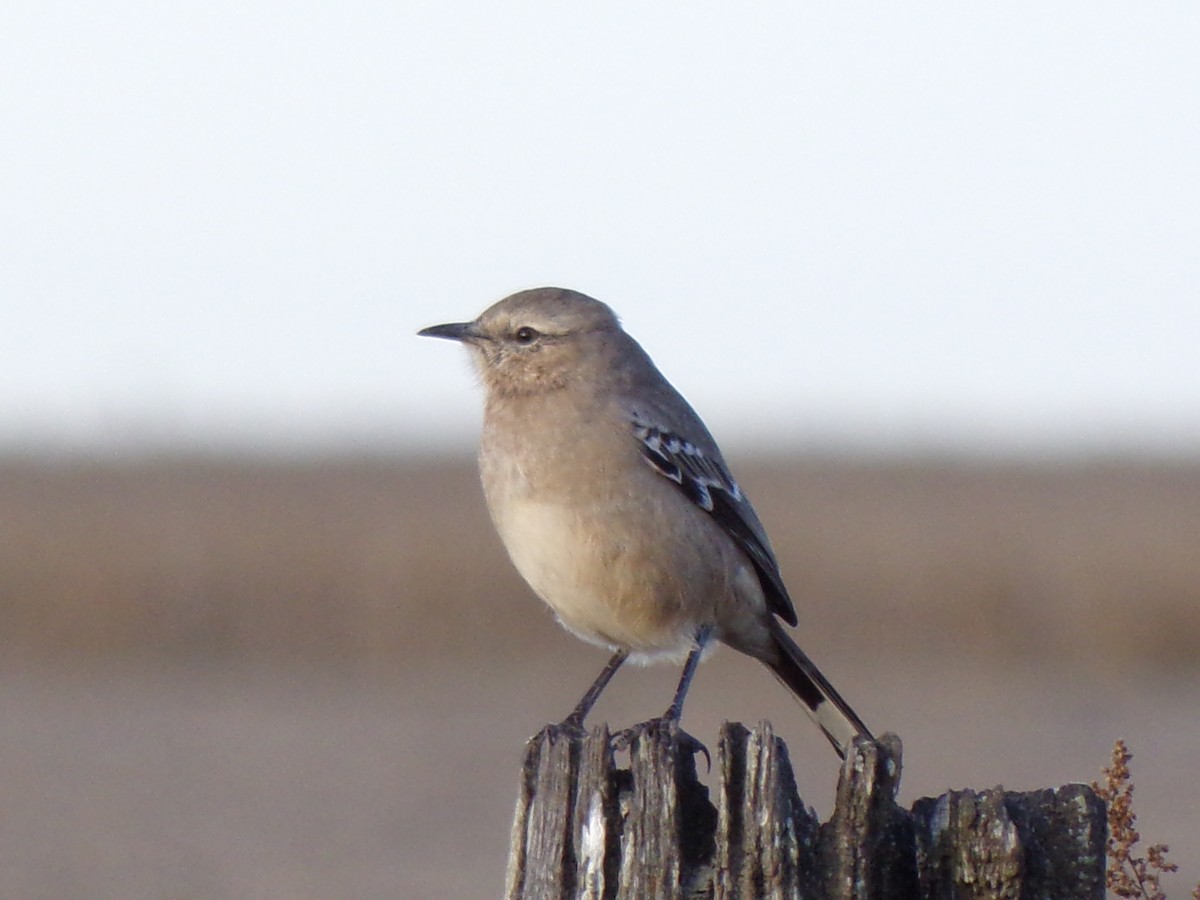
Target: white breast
(540,538)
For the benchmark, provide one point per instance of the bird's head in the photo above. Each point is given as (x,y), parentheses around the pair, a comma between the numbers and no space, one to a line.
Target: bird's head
(535,340)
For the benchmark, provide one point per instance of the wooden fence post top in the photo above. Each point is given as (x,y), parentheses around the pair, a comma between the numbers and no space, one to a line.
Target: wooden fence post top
(588,827)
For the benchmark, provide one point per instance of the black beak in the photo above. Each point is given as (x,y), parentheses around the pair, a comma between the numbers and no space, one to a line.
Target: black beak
(454,331)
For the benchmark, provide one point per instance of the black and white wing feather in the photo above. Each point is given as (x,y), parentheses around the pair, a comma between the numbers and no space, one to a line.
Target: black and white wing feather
(707,483)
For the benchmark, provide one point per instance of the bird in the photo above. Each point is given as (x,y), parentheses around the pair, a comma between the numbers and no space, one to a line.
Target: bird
(618,509)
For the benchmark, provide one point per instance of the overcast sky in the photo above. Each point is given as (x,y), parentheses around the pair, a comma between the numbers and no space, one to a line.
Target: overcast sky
(878,225)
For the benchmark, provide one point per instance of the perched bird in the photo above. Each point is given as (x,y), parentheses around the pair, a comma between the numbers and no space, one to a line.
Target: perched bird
(616,505)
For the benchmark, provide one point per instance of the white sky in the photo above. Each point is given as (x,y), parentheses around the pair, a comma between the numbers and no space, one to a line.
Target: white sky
(894,225)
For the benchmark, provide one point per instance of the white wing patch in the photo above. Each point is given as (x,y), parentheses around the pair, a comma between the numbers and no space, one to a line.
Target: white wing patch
(707,483)
(685,464)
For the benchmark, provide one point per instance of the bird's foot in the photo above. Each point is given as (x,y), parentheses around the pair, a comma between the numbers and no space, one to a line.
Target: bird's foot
(571,728)
(660,727)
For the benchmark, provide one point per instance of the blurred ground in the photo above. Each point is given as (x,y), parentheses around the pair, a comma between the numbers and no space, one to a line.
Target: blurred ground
(266,679)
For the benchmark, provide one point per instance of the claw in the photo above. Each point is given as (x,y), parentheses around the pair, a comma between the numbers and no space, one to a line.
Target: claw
(694,746)
(569,728)
(623,739)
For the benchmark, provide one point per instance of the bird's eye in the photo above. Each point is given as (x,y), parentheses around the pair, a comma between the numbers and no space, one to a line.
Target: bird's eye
(525,335)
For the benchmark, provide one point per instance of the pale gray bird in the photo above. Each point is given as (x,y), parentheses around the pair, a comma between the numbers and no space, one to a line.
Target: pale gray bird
(616,505)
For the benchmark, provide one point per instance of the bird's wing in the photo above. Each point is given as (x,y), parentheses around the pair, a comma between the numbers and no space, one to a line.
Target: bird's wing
(705,481)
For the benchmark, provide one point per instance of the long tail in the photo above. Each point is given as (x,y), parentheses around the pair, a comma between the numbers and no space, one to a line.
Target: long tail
(832,714)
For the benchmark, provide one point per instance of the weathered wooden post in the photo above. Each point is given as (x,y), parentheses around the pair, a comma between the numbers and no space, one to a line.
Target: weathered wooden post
(585,828)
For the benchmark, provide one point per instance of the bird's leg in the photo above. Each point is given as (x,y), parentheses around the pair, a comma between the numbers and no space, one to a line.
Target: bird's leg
(574,721)
(674,712)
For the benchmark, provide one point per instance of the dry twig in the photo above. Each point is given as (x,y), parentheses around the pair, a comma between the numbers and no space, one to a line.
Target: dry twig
(1130,875)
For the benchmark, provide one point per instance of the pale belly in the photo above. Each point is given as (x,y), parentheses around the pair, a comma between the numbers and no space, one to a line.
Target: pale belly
(607,586)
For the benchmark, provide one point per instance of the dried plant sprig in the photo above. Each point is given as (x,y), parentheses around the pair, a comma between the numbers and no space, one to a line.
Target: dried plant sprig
(1130,875)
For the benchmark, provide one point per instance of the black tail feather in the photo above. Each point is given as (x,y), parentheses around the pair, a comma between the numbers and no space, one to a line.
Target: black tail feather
(825,705)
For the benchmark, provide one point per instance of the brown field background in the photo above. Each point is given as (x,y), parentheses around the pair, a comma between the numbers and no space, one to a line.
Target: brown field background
(257,678)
